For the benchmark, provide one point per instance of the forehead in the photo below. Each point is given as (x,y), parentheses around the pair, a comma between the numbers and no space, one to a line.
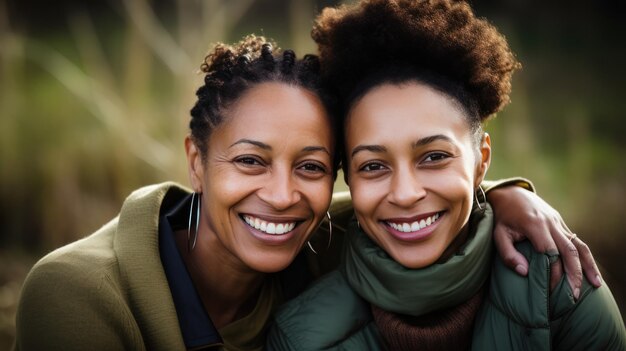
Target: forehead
(270,112)
(409,109)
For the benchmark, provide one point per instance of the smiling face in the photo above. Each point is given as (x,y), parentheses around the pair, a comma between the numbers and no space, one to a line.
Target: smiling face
(267,180)
(412,169)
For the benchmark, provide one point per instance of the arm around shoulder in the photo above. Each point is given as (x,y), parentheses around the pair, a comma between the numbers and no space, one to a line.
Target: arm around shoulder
(68,307)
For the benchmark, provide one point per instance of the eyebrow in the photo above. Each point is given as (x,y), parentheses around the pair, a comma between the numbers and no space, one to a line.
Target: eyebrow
(268,147)
(316,148)
(416,144)
(253,142)
(371,148)
(431,139)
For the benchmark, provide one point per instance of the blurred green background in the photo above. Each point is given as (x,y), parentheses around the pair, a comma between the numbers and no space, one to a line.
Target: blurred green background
(94,101)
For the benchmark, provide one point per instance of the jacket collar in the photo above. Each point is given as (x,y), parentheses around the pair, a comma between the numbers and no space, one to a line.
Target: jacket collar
(137,247)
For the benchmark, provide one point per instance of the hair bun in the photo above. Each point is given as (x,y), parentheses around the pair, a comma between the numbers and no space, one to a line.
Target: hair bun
(289,58)
(244,60)
(266,51)
(312,62)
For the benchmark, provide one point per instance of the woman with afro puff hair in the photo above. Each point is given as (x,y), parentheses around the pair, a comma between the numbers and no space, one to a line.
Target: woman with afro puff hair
(416,80)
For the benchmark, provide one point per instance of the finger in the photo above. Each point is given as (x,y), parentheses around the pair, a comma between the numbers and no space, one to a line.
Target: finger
(537,230)
(569,255)
(588,263)
(546,244)
(504,238)
(556,272)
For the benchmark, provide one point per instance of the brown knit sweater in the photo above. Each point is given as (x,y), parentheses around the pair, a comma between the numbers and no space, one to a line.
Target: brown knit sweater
(449,329)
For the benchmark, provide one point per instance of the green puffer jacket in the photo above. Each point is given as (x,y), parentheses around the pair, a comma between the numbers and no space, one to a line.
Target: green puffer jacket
(517,313)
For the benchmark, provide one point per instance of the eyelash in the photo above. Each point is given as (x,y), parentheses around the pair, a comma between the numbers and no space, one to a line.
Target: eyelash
(431,158)
(369,164)
(318,167)
(249,161)
(440,156)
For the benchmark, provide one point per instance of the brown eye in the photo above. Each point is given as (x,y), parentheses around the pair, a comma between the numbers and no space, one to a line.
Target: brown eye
(372,167)
(436,156)
(312,170)
(313,167)
(248,161)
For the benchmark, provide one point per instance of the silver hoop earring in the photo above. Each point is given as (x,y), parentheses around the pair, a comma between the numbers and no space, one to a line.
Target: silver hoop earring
(330,234)
(191,240)
(330,229)
(479,190)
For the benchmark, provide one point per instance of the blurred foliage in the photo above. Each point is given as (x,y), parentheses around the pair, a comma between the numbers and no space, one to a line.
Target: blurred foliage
(94,101)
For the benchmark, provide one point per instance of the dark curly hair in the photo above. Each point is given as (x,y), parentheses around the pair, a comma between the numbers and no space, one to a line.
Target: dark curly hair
(437,42)
(231,70)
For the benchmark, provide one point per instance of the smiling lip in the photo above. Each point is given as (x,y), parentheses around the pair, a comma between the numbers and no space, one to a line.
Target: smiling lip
(415,228)
(271,230)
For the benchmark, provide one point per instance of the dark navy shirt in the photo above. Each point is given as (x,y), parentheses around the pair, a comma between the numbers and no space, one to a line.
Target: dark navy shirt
(195,324)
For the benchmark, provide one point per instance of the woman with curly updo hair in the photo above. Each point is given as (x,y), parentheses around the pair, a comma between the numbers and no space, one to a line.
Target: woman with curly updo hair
(415,81)
(203,269)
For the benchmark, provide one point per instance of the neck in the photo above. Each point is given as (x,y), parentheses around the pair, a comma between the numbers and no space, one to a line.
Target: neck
(228,289)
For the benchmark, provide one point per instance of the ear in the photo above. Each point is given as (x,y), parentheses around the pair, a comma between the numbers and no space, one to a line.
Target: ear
(195,165)
(484,161)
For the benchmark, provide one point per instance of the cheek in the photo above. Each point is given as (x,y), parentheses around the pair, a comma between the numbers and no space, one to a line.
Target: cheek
(449,182)
(232,189)
(367,195)
(228,188)
(455,186)
(319,194)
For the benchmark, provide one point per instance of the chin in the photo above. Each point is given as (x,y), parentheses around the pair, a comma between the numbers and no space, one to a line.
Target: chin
(271,263)
(415,261)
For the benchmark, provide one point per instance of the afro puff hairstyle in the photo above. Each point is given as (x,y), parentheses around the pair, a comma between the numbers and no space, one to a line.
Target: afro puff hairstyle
(439,42)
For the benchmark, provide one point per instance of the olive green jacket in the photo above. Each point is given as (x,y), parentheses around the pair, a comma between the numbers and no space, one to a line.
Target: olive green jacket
(107,291)
(518,313)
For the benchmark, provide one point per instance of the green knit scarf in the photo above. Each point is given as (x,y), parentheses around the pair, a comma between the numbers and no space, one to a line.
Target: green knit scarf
(383,282)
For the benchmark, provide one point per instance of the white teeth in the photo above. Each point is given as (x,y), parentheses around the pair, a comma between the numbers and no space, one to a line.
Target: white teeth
(414,226)
(280,229)
(247,219)
(269,227)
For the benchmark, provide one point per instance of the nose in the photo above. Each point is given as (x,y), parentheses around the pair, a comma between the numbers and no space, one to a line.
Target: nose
(406,188)
(281,190)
